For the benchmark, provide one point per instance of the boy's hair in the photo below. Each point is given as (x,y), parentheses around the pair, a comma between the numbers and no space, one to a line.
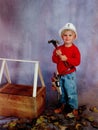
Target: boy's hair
(68,26)
(67,30)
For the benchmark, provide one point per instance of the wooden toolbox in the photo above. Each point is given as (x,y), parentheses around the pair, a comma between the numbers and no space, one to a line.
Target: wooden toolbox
(22,101)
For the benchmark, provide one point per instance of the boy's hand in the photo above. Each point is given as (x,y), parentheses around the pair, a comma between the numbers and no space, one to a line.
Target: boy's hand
(58,52)
(63,57)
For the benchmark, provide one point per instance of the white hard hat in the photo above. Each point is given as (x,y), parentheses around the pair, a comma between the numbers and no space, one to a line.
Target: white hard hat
(69,26)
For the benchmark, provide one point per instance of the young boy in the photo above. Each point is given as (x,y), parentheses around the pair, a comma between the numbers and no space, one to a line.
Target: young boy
(67,57)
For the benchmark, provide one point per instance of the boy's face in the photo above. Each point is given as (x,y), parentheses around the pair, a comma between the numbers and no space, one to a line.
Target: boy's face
(68,37)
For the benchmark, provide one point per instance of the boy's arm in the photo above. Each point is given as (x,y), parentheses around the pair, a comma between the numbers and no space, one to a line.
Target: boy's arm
(75,60)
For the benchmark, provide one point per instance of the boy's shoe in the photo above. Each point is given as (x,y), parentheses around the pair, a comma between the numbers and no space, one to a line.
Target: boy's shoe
(72,114)
(60,109)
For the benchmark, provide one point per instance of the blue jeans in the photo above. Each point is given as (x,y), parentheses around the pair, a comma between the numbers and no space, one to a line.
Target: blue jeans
(69,90)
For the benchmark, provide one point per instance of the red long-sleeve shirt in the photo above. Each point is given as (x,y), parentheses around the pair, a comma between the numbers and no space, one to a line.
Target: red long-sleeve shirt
(73,59)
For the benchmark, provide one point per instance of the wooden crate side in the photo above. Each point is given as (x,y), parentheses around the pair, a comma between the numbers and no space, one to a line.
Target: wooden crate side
(19,106)
(22,106)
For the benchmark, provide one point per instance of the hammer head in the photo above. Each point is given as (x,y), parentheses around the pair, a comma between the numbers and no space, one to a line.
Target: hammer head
(54,42)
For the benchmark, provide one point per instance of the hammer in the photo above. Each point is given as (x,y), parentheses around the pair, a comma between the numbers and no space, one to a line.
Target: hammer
(54,42)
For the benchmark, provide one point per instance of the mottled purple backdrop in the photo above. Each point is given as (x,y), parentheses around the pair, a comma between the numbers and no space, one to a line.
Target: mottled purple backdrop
(27,25)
